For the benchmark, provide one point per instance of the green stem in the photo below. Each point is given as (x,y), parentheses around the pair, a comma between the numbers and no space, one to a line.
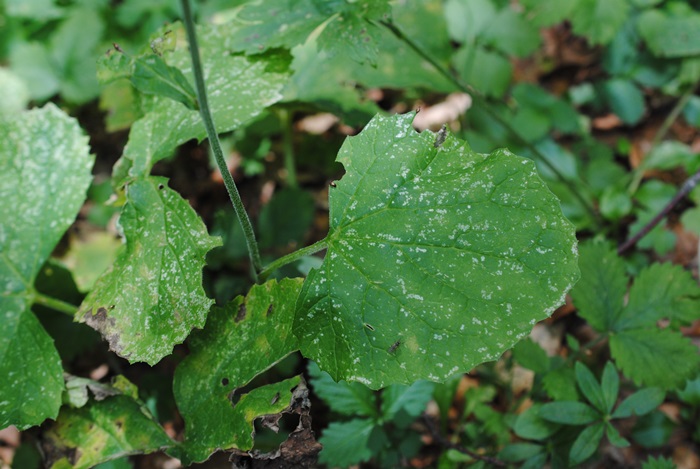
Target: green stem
(479,98)
(291,257)
(214,141)
(53,303)
(289,164)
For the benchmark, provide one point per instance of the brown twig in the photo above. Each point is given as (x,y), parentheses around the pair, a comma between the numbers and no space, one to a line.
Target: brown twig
(687,186)
(435,433)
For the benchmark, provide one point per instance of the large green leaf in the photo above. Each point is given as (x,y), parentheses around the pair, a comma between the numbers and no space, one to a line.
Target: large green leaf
(438,258)
(45,170)
(347,26)
(239,342)
(599,20)
(102,431)
(152,296)
(670,36)
(239,88)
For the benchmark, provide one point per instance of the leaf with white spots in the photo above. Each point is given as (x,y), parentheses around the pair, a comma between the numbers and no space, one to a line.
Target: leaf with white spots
(152,297)
(240,341)
(45,170)
(239,88)
(439,258)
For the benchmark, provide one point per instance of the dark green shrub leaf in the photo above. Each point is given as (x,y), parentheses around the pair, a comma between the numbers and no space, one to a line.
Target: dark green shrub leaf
(614,436)
(640,403)
(511,33)
(560,384)
(101,431)
(438,258)
(599,20)
(240,341)
(153,76)
(590,387)
(586,444)
(530,425)
(653,430)
(520,451)
(348,443)
(152,297)
(45,170)
(569,413)
(530,355)
(625,99)
(343,397)
(610,385)
(600,293)
(408,400)
(487,71)
(670,36)
(659,463)
(655,357)
(286,218)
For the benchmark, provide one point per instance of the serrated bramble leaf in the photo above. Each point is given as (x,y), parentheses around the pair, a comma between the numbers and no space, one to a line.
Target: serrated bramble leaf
(346,443)
(569,413)
(600,293)
(661,291)
(655,357)
(45,170)
(640,403)
(610,385)
(438,258)
(152,297)
(243,339)
(586,443)
(589,386)
(102,431)
(239,88)
(343,397)
(659,463)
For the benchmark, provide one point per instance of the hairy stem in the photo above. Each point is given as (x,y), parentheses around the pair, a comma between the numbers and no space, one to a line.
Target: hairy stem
(291,257)
(215,144)
(289,164)
(685,189)
(56,304)
(478,97)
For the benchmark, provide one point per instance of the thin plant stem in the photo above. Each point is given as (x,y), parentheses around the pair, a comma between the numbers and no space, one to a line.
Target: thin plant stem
(288,148)
(55,304)
(291,257)
(661,133)
(685,189)
(478,97)
(216,145)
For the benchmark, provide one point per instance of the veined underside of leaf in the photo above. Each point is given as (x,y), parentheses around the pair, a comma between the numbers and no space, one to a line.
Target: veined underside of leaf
(438,259)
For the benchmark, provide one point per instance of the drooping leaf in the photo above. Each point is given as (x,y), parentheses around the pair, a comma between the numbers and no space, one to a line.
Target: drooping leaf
(45,170)
(239,88)
(600,293)
(102,431)
(152,297)
(438,258)
(343,397)
(655,357)
(347,443)
(233,428)
(240,341)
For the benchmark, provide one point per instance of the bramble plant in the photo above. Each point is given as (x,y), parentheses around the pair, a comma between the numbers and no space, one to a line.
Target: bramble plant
(440,255)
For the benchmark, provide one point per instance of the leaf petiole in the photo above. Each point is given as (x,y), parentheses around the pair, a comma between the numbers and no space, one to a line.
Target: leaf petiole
(291,257)
(56,304)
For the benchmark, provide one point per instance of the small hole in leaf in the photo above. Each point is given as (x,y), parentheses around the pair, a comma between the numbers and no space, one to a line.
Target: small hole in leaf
(224,382)
(160,186)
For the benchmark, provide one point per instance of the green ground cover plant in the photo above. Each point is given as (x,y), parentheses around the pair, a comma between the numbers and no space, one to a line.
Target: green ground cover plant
(406,309)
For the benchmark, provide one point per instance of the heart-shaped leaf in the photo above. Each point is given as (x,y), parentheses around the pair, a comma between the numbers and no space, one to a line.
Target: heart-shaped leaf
(439,258)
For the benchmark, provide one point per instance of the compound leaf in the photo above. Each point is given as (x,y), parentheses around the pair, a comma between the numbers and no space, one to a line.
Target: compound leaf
(240,341)
(655,357)
(45,170)
(102,431)
(152,296)
(438,258)
(239,88)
